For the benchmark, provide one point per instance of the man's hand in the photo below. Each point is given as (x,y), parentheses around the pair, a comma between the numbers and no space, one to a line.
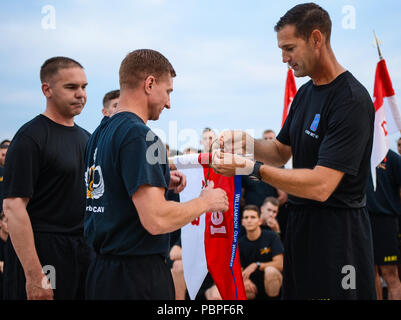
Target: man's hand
(272,223)
(228,164)
(249,270)
(176,253)
(178,181)
(238,142)
(216,198)
(39,289)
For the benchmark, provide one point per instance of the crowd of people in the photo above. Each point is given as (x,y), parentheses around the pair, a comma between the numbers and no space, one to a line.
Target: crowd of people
(97,216)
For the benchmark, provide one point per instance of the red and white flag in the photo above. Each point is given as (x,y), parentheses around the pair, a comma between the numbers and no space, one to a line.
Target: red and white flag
(210,243)
(289,94)
(387,116)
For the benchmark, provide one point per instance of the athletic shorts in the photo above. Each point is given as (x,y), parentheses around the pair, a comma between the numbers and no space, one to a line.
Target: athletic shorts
(385,239)
(65,260)
(129,278)
(328,254)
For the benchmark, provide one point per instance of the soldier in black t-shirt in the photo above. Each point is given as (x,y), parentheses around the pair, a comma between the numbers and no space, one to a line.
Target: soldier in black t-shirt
(329,134)
(384,206)
(128,219)
(44,193)
(261,255)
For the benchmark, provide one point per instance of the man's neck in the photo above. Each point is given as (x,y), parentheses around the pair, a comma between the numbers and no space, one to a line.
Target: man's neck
(327,69)
(58,118)
(254,234)
(131,103)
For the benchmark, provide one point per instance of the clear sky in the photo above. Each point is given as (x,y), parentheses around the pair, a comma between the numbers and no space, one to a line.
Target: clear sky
(229,68)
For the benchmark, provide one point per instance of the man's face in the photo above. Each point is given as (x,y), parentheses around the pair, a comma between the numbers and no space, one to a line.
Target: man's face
(269,210)
(3,152)
(295,51)
(269,135)
(67,91)
(160,96)
(250,220)
(111,107)
(207,139)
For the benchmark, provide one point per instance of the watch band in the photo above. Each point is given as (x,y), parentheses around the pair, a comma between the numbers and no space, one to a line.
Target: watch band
(256,171)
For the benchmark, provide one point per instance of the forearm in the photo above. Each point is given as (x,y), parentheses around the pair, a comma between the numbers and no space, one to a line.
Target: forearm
(275,263)
(303,183)
(267,152)
(21,235)
(173,215)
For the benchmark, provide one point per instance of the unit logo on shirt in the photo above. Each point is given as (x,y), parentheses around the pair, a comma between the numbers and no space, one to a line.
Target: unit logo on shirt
(313,127)
(94,181)
(265,250)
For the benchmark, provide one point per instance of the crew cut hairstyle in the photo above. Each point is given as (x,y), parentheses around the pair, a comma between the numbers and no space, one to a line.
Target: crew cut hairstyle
(306,17)
(252,207)
(51,66)
(272,200)
(110,96)
(142,63)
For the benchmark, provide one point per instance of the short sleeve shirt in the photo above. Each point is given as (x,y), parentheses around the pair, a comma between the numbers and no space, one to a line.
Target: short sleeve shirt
(262,249)
(122,154)
(332,126)
(45,163)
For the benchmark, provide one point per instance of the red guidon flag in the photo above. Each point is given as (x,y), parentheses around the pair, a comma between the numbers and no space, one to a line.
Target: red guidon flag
(214,233)
(289,94)
(387,117)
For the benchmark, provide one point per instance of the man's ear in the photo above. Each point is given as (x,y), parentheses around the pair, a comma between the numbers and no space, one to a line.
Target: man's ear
(317,39)
(149,84)
(47,91)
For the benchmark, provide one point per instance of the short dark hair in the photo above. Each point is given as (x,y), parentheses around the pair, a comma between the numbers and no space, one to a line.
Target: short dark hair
(306,17)
(140,64)
(4,145)
(51,66)
(272,200)
(110,96)
(252,207)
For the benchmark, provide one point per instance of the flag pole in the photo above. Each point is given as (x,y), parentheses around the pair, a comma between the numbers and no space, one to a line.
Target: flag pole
(378,46)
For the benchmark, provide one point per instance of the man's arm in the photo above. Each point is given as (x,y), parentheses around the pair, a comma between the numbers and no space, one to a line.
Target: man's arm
(276,262)
(160,216)
(21,234)
(271,152)
(316,184)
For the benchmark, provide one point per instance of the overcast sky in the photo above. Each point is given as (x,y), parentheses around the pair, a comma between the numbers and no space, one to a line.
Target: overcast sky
(229,68)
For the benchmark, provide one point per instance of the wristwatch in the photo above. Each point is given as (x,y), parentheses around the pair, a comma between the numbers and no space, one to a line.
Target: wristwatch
(258,264)
(255,175)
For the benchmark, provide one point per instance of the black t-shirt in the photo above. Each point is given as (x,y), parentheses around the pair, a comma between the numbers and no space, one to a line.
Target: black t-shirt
(122,154)
(257,191)
(386,198)
(332,126)
(262,249)
(45,163)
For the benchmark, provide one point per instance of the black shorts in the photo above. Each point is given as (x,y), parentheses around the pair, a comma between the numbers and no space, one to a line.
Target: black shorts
(385,239)
(328,254)
(65,260)
(129,278)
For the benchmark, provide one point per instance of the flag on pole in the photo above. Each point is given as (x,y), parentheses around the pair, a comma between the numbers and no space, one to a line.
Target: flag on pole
(215,233)
(387,115)
(289,94)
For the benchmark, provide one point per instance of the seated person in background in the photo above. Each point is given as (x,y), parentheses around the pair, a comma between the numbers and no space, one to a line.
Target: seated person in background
(261,255)
(268,214)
